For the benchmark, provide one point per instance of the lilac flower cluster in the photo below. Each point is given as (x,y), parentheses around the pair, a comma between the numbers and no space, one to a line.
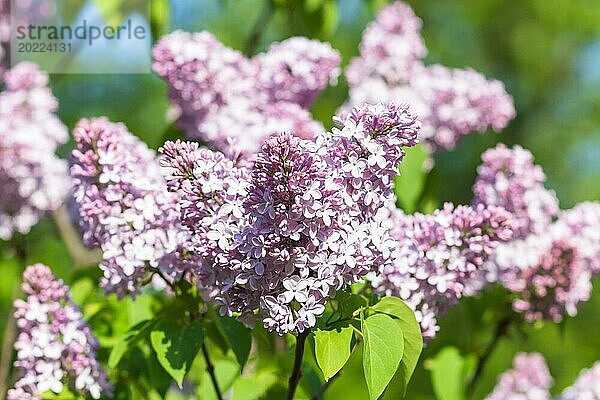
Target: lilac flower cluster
(55,347)
(233,103)
(284,236)
(33,180)
(548,265)
(125,208)
(586,387)
(440,257)
(450,102)
(529,379)
(509,178)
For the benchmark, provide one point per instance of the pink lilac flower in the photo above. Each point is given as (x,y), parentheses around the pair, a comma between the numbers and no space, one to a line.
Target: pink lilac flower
(440,257)
(509,178)
(450,102)
(55,346)
(529,379)
(550,281)
(586,387)
(301,223)
(125,208)
(230,101)
(582,222)
(547,266)
(33,180)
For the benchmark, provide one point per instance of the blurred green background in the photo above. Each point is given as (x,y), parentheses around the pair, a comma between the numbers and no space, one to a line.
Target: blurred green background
(547,52)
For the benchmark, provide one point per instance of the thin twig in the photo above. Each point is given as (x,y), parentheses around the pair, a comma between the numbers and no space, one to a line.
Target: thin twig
(259,27)
(79,254)
(211,371)
(297,370)
(501,330)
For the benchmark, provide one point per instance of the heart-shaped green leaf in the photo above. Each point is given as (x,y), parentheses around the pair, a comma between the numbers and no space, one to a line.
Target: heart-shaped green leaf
(413,340)
(383,350)
(332,349)
(176,346)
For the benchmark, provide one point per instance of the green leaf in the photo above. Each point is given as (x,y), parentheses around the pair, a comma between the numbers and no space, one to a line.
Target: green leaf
(159,17)
(176,346)
(349,302)
(332,349)
(238,337)
(410,182)
(449,373)
(413,339)
(134,334)
(117,352)
(331,17)
(383,350)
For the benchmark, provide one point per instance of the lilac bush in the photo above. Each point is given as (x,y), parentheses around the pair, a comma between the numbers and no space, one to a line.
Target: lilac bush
(284,236)
(55,347)
(450,102)
(233,103)
(33,179)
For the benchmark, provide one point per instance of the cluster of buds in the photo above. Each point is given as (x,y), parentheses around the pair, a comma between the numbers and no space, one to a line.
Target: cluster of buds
(440,257)
(234,103)
(285,235)
(450,102)
(55,346)
(33,179)
(125,208)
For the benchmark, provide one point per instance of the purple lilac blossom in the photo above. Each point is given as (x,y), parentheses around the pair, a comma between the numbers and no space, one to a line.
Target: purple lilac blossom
(583,223)
(509,178)
(232,102)
(55,346)
(450,102)
(284,236)
(33,179)
(586,387)
(529,379)
(550,280)
(547,265)
(125,208)
(440,257)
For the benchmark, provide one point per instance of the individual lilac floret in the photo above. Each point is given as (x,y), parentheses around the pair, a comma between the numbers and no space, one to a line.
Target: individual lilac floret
(33,180)
(439,257)
(125,208)
(529,379)
(55,346)
(508,178)
(230,101)
(284,236)
(297,70)
(547,275)
(582,222)
(586,387)
(451,103)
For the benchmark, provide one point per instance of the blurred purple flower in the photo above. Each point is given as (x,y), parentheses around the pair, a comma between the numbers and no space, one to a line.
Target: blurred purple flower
(55,347)
(529,379)
(233,103)
(33,180)
(450,102)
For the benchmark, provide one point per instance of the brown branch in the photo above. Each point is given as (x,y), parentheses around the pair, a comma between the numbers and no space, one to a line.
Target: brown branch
(297,370)
(211,371)
(80,255)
